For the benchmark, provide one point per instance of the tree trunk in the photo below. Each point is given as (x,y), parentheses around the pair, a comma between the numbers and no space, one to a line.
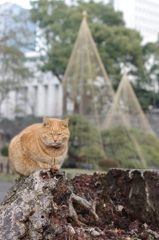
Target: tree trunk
(122,204)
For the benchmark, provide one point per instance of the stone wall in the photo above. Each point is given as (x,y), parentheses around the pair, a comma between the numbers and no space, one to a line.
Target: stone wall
(153,119)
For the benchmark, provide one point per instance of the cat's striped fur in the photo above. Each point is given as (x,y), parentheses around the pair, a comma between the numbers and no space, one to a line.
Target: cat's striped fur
(41,145)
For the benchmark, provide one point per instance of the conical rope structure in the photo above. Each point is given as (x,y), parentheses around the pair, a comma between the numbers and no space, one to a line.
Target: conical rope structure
(124,121)
(86,86)
(126,99)
(87,98)
(87,95)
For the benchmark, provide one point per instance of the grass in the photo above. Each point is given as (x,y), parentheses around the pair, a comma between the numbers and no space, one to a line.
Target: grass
(72,171)
(8,177)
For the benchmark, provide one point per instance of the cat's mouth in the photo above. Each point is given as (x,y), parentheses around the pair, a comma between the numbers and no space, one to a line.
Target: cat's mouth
(55,144)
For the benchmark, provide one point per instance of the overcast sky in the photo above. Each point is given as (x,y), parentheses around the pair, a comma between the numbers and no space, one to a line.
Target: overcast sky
(23,3)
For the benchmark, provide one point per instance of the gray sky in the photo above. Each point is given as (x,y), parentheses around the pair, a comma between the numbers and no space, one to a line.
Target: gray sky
(23,3)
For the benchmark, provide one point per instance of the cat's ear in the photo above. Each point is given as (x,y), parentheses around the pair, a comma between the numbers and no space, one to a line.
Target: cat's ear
(65,122)
(45,121)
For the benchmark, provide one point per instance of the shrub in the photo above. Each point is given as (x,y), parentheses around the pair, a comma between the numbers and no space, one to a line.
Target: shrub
(119,145)
(69,163)
(108,163)
(84,142)
(4,150)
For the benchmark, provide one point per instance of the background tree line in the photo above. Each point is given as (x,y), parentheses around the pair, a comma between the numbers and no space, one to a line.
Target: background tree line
(15,38)
(58,25)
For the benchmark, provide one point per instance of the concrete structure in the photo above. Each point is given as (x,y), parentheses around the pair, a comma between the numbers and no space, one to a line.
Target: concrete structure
(142,15)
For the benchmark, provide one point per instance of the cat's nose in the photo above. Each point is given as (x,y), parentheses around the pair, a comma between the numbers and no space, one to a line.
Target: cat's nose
(55,140)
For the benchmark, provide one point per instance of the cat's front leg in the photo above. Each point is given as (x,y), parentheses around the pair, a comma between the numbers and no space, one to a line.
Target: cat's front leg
(43,165)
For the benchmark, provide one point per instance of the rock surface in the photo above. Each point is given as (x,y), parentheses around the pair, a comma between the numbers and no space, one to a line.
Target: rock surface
(122,204)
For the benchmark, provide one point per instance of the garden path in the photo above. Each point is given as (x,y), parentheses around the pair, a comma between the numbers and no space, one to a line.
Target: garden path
(4,187)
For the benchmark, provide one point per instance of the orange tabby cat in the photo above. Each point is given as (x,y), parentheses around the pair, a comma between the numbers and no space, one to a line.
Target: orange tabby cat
(41,145)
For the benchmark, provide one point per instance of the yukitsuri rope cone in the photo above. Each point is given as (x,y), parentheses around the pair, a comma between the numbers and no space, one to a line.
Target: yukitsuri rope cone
(127,101)
(124,115)
(88,95)
(87,92)
(86,86)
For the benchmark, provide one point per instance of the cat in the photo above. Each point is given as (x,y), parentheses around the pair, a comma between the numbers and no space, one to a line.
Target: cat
(41,145)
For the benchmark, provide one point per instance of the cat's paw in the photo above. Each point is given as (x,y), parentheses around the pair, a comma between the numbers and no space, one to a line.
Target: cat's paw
(55,166)
(44,165)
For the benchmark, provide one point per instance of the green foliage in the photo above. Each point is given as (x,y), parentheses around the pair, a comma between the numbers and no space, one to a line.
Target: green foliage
(119,45)
(151,74)
(13,71)
(119,146)
(116,43)
(108,163)
(149,145)
(144,96)
(82,130)
(70,163)
(84,139)
(4,150)
(92,152)
(60,24)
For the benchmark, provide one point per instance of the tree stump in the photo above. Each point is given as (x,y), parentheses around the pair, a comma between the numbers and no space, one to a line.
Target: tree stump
(122,204)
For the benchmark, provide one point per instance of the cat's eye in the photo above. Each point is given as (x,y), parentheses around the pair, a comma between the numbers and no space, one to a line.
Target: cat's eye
(59,133)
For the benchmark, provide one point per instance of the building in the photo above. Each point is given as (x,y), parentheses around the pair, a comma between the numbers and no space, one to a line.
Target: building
(42,93)
(39,96)
(142,15)
(14,18)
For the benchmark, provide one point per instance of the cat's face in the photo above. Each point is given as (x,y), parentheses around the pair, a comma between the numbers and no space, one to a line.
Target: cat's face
(54,132)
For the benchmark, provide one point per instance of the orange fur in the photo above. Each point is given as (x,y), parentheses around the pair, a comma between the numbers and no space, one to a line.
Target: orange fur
(41,145)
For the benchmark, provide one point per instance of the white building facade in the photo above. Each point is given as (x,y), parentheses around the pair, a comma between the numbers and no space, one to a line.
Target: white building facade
(42,95)
(142,15)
